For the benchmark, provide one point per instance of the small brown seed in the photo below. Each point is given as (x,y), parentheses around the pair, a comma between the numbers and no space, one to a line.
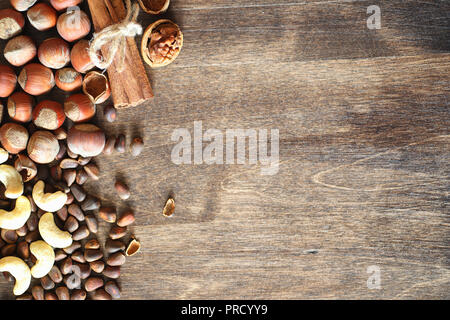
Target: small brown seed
(97,266)
(93,171)
(62,151)
(47,283)
(84,161)
(78,294)
(81,233)
(32,236)
(22,231)
(78,256)
(122,190)
(70,176)
(69,163)
(137,146)
(113,246)
(108,214)
(25,296)
(90,204)
(76,211)
(116,259)
(70,198)
(119,146)
(85,270)
(60,255)
(101,294)
(74,246)
(71,154)
(92,244)
(62,293)
(50,296)
(55,274)
(133,247)
(66,266)
(117,232)
(169,208)
(61,186)
(71,224)
(10,236)
(109,146)
(78,192)
(126,219)
(23,250)
(93,283)
(82,177)
(33,208)
(62,213)
(113,289)
(91,255)
(60,133)
(110,113)
(112,272)
(56,173)
(92,223)
(37,292)
(9,249)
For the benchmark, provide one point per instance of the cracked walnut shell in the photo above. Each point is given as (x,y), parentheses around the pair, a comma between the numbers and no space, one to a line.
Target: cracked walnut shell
(161,43)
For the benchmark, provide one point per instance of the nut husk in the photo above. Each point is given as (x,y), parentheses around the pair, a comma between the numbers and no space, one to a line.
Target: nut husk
(154,6)
(96,87)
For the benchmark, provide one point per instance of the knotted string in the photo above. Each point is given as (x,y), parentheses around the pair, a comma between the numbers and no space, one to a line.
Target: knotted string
(115,36)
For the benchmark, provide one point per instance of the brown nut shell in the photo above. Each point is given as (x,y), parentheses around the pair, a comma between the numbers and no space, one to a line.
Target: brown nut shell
(22,5)
(165,40)
(36,79)
(43,147)
(14,137)
(80,57)
(96,87)
(42,16)
(8,81)
(49,115)
(20,107)
(154,6)
(20,50)
(25,167)
(79,108)
(71,31)
(11,23)
(68,79)
(86,140)
(64,4)
(54,53)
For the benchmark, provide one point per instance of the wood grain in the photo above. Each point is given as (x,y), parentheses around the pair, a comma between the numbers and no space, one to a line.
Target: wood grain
(364,155)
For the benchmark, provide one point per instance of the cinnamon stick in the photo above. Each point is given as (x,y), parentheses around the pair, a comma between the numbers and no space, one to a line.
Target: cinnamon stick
(130,87)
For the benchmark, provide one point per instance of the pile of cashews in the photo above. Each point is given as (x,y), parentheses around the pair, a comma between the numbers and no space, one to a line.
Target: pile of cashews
(52,236)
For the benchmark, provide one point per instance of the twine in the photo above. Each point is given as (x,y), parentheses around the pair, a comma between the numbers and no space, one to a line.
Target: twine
(115,36)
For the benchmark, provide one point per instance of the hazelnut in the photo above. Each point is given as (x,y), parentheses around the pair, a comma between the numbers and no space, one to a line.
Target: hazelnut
(54,53)
(36,79)
(154,7)
(64,4)
(71,31)
(96,87)
(161,43)
(42,17)
(43,147)
(20,50)
(49,115)
(110,113)
(79,107)
(80,57)
(11,23)
(22,5)
(8,81)
(86,140)
(20,106)
(13,137)
(68,79)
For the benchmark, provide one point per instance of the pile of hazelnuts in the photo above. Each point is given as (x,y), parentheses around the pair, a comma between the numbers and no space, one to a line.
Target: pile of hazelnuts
(44,139)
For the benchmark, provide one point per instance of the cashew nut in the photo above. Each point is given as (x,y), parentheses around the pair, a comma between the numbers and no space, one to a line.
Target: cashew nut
(52,234)
(45,257)
(49,202)
(12,181)
(19,270)
(15,219)
(4,155)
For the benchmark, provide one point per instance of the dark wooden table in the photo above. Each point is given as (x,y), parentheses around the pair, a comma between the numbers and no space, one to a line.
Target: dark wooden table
(364,175)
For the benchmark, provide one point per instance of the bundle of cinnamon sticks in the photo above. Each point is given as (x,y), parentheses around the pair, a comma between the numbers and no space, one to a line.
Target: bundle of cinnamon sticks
(131,86)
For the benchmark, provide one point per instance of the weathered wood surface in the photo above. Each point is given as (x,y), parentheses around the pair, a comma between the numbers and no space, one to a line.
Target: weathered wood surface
(364,154)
